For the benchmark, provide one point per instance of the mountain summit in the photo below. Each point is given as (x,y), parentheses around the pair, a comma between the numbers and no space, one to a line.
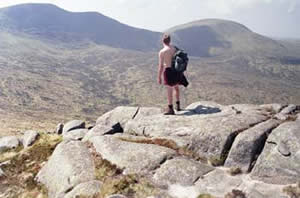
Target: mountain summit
(212,37)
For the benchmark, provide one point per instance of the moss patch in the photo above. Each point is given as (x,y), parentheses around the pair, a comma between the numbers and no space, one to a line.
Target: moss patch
(292,191)
(234,171)
(205,196)
(25,165)
(5,156)
(217,160)
(169,144)
(103,168)
(18,149)
(128,185)
(235,194)
(115,182)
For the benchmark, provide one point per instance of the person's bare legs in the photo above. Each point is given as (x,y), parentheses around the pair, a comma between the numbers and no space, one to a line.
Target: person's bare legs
(170,95)
(170,110)
(177,93)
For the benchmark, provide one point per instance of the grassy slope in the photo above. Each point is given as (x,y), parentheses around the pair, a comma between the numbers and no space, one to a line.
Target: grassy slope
(44,83)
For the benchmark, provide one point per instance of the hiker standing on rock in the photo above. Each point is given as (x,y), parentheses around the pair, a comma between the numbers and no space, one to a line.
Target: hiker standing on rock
(172,78)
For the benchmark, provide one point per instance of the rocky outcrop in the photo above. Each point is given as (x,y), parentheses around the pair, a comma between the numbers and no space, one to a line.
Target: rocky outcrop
(70,164)
(77,134)
(180,171)
(208,148)
(286,112)
(218,183)
(1,173)
(117,117)
(116,196)
(210,135)
(59,128)
(9,142)
(29,137)
(279,162)
(289,109)
(72,125)
(249,144)
(88,189)
(275,108)
(99,130)
(133,157)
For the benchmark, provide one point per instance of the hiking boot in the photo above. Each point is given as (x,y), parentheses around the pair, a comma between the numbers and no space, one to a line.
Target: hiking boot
(170,110)
(178,106)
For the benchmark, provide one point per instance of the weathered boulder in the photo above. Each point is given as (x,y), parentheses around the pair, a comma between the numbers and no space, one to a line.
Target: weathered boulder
(218,183)
(72,125)
(180,171)
(298,116)
(5,163)
(76,134)
(29,138)
(257,189)
(248,144)
(116,196)
(9,142)
(251,108)
(289,109)
(70,164)
(1,173)
(281,116)
(279,162)
(283,149)
(255,194)
(209,135)
(147,111)
(117,117)
(59,128)
(133,157)
(88,189)
(99,130)
(178,191)
(276,108)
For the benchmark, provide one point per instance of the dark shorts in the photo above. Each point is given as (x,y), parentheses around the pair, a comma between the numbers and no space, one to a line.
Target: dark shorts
(173,78)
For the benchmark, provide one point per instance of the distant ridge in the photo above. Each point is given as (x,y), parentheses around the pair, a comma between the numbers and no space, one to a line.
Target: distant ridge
(211,37)
(52,22)
(204,38)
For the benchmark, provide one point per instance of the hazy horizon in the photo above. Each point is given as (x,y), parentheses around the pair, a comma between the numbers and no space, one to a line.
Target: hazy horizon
(273,18)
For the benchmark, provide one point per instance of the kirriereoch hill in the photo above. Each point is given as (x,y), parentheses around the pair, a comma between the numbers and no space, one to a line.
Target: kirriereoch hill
(57,65)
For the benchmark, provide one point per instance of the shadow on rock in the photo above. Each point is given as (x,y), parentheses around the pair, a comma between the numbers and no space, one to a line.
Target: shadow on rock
(200,109)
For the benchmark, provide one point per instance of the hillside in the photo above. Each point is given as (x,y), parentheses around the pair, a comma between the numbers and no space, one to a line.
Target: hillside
(46,21)
(215,37)
(46,80)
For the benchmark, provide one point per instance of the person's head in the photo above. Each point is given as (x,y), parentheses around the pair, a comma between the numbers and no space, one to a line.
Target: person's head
(166,39)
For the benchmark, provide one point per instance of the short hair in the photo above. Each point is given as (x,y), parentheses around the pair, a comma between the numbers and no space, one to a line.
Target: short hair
(166,39)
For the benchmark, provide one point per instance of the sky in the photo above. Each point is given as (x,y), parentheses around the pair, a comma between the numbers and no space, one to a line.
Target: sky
(275,18)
